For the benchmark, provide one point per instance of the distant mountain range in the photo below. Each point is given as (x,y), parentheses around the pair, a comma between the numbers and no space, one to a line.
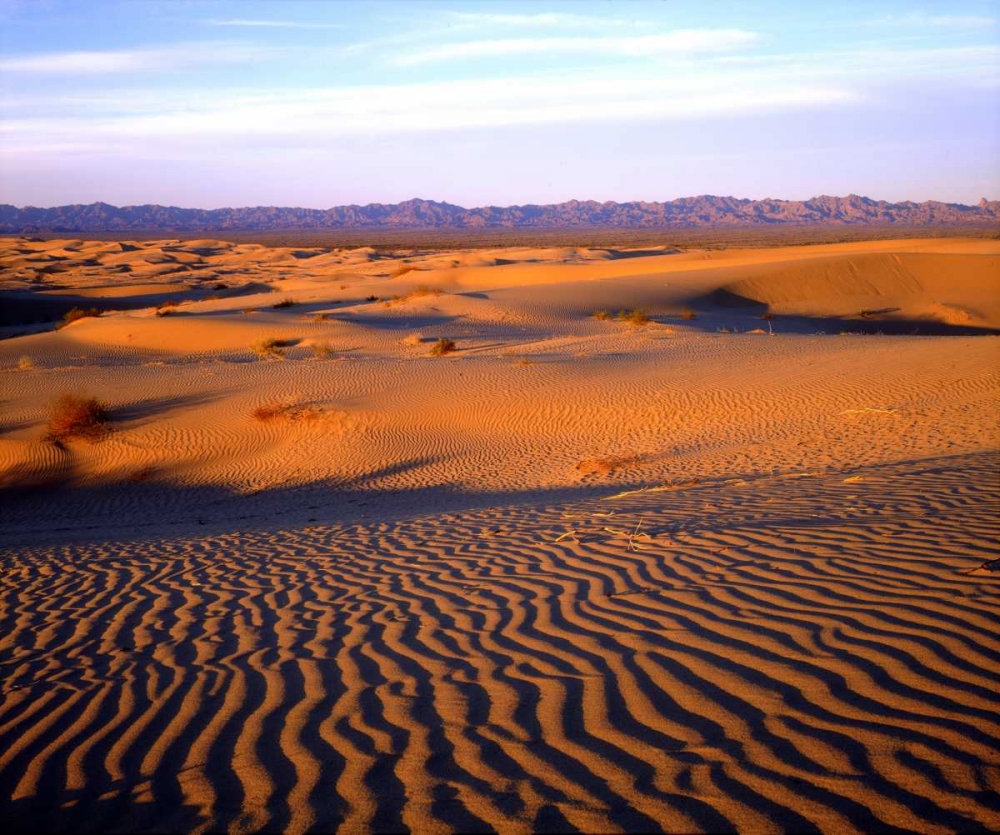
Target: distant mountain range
(687,212)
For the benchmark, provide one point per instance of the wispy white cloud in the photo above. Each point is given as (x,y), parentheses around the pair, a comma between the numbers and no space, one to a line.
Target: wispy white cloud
(922,19)
(681,41)
(311,118)
(273,24)
(98,62)
(960,20)
(541,19)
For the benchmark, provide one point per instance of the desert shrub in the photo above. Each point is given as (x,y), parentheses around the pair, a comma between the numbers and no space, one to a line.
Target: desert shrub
(283,303)
(442,347)
(371,298)
(413,339)
(608,465)
(77,416)
(286,412)
(601,315)
(142,475)
(269,347)
(423,290)
(75,314)
(322,349)
(25,363)
(269,412)
(635,317)
(321,317)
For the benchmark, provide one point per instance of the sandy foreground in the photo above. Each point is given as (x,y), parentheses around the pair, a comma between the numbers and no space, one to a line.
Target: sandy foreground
(735,568)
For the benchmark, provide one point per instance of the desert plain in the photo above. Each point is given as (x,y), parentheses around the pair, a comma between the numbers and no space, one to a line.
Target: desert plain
(662,540)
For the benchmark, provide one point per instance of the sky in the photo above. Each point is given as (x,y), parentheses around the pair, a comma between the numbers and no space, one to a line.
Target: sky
(211,103)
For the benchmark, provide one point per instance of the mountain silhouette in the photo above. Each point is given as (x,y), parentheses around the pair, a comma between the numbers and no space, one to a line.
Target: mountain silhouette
(686,212)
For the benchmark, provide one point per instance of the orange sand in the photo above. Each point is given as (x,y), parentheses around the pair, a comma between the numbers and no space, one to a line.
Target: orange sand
(579,574)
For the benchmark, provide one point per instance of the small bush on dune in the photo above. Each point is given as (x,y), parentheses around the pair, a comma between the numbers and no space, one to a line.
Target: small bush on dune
(322,349)
(269,347)
(286,412)
(635,317)
(76,314)
(413,339)
(283,303)
(77,416)
(269,412)
(442,347)
(25,363)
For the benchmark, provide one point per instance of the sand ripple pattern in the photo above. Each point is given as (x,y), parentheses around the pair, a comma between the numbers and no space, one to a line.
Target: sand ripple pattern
(792,654)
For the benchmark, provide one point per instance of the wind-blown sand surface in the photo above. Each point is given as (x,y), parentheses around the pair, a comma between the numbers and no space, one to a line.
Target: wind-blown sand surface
(579,574)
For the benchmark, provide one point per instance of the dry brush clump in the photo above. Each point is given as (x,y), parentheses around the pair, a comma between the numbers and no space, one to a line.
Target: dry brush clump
(26,363)
(322,350)
(443,346)
(283,303)
(268,347)
(167,308)
(75,314)
(286,412)
(635,316)
(77,416)
(608,465)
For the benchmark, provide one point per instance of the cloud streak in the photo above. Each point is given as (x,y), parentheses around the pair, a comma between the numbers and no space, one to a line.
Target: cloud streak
(309,119)
(150,59)
(679,42)
(247,23)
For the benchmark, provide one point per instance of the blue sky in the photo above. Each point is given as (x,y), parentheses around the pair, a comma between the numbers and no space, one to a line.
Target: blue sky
(210,103)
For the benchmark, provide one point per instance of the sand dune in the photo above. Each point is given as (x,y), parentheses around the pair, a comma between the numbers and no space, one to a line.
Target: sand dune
(579,574)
